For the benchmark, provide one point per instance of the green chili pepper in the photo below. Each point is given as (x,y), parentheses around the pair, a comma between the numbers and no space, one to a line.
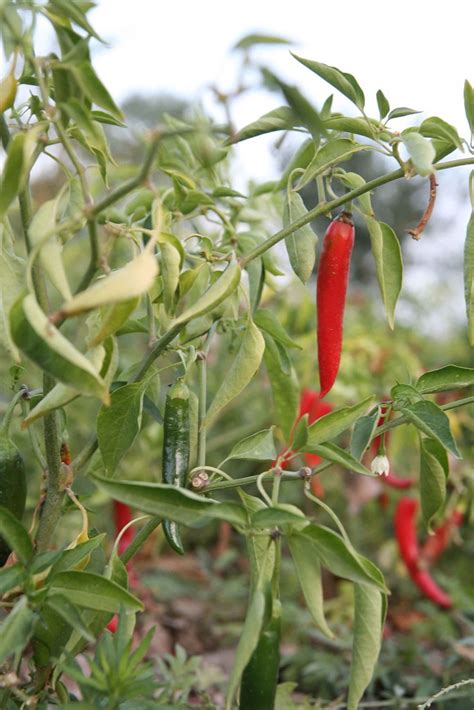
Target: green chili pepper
(12,475)
(260,677)
(176,451)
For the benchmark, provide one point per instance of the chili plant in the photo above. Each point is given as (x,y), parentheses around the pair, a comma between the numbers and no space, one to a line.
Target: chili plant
(130,278)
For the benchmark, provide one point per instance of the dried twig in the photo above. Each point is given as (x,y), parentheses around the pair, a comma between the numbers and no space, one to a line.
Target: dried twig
(420,227)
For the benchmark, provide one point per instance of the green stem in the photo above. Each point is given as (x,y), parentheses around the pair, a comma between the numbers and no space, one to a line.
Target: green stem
(140,538)
(7,417)
(268,476)
(334,204)
(202,379)
(402,419)
(160,345)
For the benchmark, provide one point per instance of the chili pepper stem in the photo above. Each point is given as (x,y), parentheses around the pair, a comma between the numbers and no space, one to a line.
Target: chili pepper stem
(201,363)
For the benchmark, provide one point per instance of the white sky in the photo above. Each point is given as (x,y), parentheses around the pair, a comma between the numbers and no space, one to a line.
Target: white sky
(418,51)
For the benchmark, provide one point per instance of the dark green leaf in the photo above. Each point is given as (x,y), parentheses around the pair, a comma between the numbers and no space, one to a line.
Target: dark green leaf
(382,103)
(71,558)
(282,514)
(16,536)
(92,591)
(280,119)
(300,244)
(256,447)
(333,424)
(119,424)
(180,505)
(432,421)
(363,432)
(342,81)
(306,114)
(331,452)
(434,469)
(268,321)
(10,577)
(300,434)
(469,278)
(13,172)
(450,377)
(435,127)
(469,104)
(61,605)
(400,112)
(285,387)
(92,87)
(308,570)
(388,263)
(17,629)
(332,153)
(337,556)
(368,625)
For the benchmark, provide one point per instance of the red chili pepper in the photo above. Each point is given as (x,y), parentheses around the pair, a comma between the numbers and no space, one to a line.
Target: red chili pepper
(310,404)
(435,544)
(333,277)
(405,532)
(113,623)
(394,482)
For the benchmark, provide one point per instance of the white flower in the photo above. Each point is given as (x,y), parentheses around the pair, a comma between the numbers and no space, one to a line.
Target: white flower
(380,465)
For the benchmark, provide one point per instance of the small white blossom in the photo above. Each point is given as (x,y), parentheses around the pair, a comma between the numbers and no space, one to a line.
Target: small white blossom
(380,465)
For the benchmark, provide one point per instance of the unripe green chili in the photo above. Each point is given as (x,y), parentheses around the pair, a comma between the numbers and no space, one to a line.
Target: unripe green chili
(260,677)
(176,451)
(12,475)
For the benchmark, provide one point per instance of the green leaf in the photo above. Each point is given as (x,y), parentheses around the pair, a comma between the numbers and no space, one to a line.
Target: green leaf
(16,536)
(247,643)
(420,150)
(268,321)
(300,244)
(342,81)
(282,514)
(339,558)
(170,268)
(10,577)
(308,570)
(215,294)
(305,113)
(383,104)
(434,469)
(331,452)
(253,39)
(256,447)
(469,278)
(300,435)
(60,604)
(354,181)
(261,557)
(449,377)
(368,626)
(334,423)
(332,153)
(285,387)
(432,421)
(92,591)
(92,87)
(73,12)
(358,126)
(400,112)
(119,424)
(44,221)
(280,119)
(388,264)
(469,104)
(132,280)
(177,504)
(71,558)
(363,432)
(110,319)
(12,274)
(435,127)
(240,372)
(13,172)
(17,629)
(34,334)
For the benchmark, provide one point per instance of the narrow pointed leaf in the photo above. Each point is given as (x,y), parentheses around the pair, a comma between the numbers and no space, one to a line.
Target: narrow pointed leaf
(334,423)
(215,294)
(388,263)
(342,81)
(450,377)
(301,244)
(433,474)
(257,447)
(16,536)
(432,421)
(241,371)
(17,629)
(280,119)
(92,591)
(367,641)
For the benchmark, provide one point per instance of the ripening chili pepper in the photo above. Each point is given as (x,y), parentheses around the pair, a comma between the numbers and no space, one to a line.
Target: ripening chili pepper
(436,543)
(310,404)
(260,677)
(333,277)
(395,482)
(12,475)
(176,448)
(405,532)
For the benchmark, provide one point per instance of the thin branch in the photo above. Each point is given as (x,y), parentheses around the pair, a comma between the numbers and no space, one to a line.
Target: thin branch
(420,227)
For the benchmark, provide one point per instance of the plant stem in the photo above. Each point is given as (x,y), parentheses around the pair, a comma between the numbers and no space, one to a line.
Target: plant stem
(329,206)
(402,419)
(160,345)
(268,476)
(140,538)
(202,379)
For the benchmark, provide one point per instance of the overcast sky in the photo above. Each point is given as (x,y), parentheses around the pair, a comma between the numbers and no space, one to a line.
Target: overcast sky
(417,51)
